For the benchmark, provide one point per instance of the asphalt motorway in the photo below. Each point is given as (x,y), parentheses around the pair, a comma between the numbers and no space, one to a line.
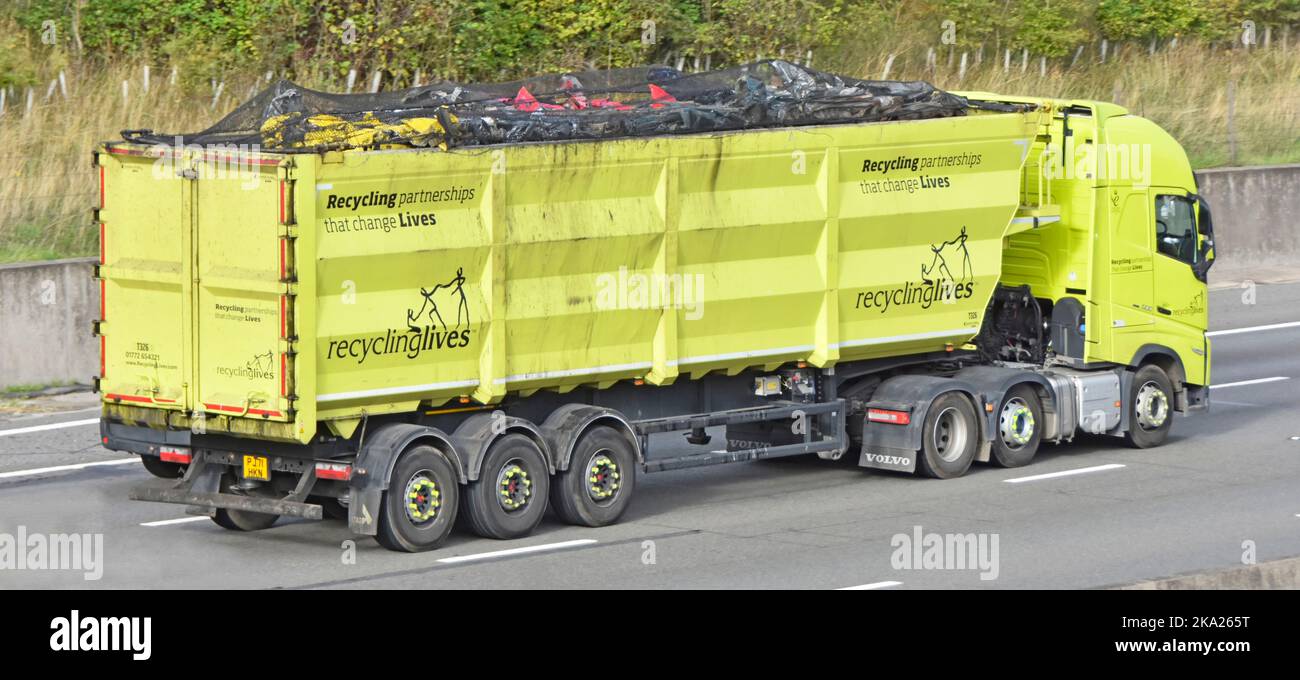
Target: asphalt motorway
(1223,487)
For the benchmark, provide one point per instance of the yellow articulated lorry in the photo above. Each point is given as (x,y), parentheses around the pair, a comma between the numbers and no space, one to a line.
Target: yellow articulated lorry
(485,305)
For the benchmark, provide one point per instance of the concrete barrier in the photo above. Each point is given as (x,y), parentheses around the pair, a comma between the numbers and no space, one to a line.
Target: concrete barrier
(1256,222)
(45,314)
(1275,575)
(46,307)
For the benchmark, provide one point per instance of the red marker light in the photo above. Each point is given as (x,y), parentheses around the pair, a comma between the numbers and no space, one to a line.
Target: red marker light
(336,471)
(880,415)
(182,456)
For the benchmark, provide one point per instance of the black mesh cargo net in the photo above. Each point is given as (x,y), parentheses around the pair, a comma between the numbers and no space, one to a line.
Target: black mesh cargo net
(630,102)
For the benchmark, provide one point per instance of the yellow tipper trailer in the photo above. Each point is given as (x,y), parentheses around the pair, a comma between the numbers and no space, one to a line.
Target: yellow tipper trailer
(398,335)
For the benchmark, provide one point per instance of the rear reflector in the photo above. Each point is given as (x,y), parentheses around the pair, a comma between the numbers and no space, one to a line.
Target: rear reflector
(880,415)
(181,456)
(339,471)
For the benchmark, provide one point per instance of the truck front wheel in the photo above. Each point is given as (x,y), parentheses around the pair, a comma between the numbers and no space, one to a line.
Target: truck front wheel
(508,499)
(1150,403)
(419,507)
(950,438)
(598,485)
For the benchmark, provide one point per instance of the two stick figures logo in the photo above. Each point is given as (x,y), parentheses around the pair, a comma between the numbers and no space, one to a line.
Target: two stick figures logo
(261,363)
(938,269)
(429,309)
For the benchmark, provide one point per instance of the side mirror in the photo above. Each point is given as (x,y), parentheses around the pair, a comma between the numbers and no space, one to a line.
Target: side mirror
(1205,239)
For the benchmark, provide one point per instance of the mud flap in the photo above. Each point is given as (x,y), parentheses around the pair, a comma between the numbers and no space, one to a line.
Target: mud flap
(364,509)
(881,458)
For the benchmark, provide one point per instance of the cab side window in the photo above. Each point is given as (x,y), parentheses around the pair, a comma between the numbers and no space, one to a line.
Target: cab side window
(1176,228)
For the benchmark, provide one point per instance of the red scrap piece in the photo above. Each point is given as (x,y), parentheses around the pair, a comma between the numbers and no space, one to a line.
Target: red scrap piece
(525,101)
(658,94)
(610,104)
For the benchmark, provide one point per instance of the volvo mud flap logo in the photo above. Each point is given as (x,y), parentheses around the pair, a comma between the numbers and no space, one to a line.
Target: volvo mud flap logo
(883,461)
(425,326)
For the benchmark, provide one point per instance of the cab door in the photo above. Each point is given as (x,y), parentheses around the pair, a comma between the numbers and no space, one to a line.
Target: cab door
(1180,296)
(1131,266)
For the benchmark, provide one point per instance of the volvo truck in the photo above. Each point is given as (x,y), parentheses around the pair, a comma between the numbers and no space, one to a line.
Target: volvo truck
(397,336)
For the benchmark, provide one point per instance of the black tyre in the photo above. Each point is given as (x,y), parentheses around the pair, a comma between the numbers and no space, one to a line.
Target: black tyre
(1019,427)
(950,437)
(1151,408)
(419,508)
(330,507)
(162,469)
(599,483)
(243,520)
(509,497)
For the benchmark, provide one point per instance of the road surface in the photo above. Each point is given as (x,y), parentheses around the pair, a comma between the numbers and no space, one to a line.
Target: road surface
(1223,486)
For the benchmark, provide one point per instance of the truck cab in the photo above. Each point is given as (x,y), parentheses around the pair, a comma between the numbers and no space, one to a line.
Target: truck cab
(1123,271)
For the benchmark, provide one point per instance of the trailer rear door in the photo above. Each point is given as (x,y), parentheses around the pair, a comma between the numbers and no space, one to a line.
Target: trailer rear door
(144,273)
(242,305)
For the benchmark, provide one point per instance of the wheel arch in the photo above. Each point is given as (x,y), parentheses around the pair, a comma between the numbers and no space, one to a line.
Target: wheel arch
(1170,362)
(995,381)
(477,433)
(915,393)
(375,462)
(380,451)
(566,425)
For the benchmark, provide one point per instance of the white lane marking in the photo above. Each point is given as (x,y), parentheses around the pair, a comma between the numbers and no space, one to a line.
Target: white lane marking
(518,551)
(1064,473)
(1252,329)
(166,522)
(65,468)
(1256,381)
(50,426)
(874,586)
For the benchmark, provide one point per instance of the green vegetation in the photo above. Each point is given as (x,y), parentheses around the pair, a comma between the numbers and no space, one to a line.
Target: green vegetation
(484,39)
(1169,60)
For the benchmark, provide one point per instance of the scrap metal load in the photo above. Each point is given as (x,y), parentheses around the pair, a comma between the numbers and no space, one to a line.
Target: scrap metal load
(632,102)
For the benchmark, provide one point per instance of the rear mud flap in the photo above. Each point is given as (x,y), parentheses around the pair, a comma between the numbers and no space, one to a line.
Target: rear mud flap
(364,509)
(898,460)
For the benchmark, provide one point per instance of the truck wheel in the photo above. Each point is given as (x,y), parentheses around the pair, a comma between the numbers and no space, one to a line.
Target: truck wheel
(598,485)
(950,438)
(162,469)
(1151,412)
(1019,426)
(509,497)
(419,506)
(241,520)
(330,507)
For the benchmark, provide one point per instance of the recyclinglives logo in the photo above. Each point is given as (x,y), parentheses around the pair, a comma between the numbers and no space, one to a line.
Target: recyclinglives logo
(260,367)
(427,328)
(946,276)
